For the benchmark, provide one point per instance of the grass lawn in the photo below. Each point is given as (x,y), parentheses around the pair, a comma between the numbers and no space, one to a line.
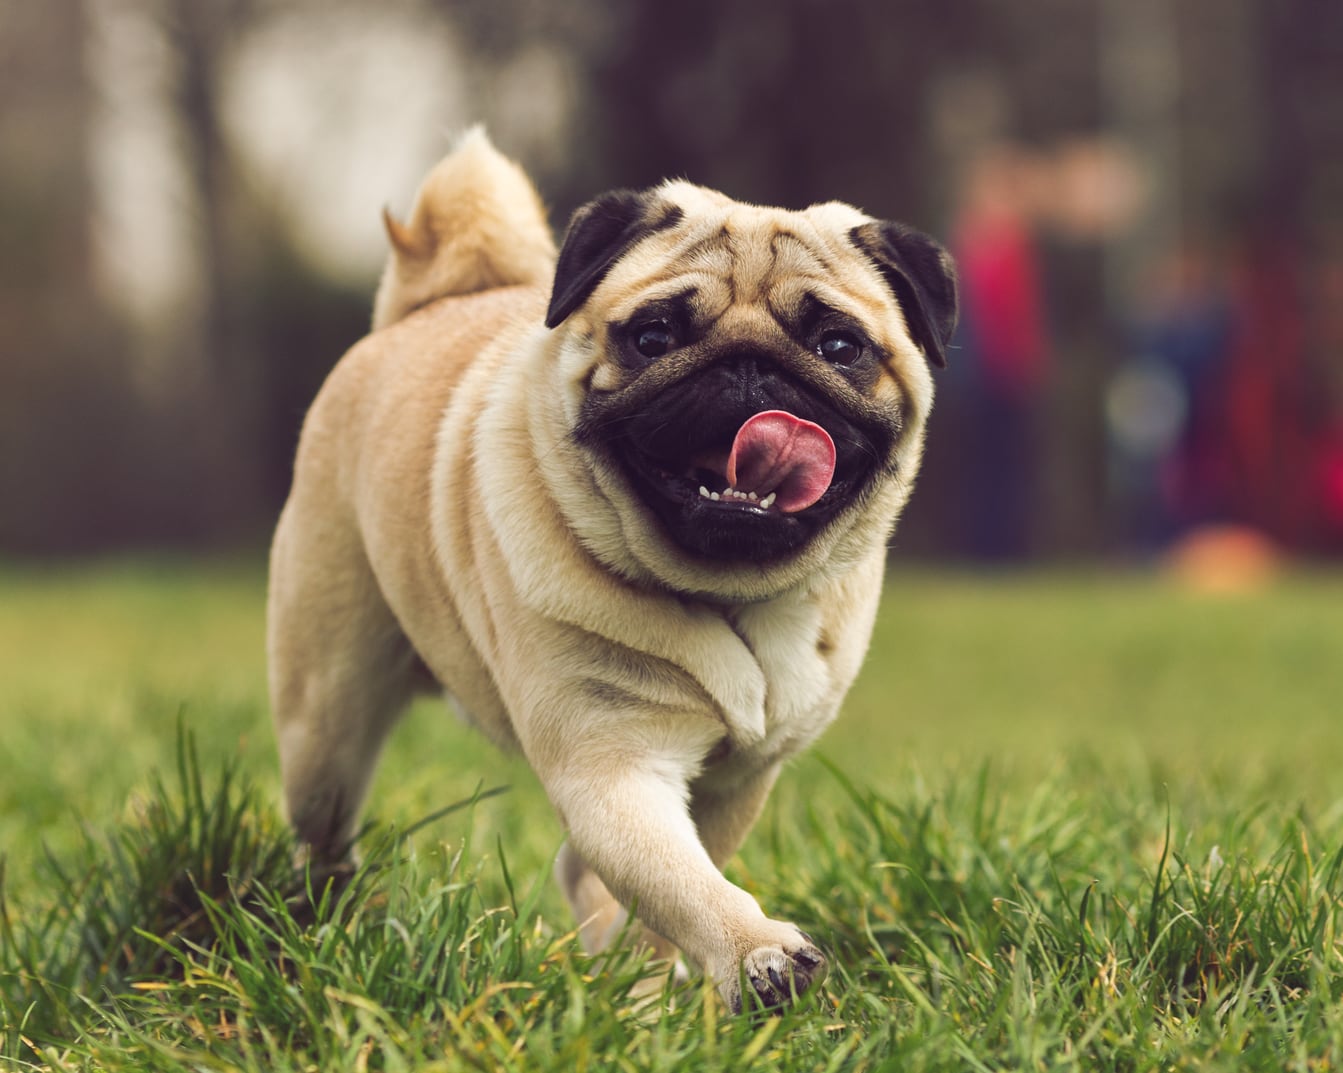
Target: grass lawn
(1068,821)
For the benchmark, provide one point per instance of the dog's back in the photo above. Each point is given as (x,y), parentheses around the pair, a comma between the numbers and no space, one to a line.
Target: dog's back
(477,223)
(341,667)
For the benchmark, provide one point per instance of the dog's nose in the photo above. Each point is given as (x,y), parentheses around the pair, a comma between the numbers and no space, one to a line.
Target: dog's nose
(752,380)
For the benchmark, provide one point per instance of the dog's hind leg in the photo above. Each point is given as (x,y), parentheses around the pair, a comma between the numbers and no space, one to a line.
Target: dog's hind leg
(341,672)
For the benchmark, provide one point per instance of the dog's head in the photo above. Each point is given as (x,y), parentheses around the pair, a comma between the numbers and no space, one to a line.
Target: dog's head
(750,384)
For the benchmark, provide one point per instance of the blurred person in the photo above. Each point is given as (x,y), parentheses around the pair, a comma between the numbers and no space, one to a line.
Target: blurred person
(1329,475)
(1002,352)
(1273,404)
(1328,317)
(1182,335)
(1257,444)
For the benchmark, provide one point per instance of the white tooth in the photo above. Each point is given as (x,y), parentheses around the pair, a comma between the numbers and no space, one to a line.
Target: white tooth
(752,497)
(715,496)
(704,491)
(768,501)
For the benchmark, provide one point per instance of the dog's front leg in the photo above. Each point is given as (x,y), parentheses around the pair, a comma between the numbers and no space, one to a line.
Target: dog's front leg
(628,816)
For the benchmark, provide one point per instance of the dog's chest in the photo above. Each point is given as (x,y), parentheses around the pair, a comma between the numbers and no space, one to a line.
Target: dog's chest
(784,638)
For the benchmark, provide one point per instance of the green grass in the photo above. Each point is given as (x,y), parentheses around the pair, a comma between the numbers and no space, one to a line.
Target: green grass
(1068,821)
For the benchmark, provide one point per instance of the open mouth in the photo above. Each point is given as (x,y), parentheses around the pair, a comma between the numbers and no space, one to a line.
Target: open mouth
(777,462)
(761,494)
(739,463)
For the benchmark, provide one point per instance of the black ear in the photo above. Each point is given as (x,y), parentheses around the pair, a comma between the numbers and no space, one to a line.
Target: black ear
(923,277)
(599,233)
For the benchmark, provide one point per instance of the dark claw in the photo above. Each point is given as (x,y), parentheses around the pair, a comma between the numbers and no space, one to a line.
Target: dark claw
(775,988)
(769,998)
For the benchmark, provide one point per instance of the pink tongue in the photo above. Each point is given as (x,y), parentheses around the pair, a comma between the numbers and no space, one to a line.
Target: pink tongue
(777,452)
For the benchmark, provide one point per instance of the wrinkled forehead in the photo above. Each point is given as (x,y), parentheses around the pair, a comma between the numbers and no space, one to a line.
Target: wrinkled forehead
(729,253)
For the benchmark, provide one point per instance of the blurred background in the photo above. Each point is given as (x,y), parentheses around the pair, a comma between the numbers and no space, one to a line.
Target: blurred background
(1145,198)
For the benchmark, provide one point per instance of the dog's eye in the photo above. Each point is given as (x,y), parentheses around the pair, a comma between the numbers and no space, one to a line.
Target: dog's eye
(654,340)
(840,348)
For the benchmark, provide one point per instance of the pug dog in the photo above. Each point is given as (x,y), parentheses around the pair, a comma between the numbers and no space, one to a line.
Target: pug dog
(627,505)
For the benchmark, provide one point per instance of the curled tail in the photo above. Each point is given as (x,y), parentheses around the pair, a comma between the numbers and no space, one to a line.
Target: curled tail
(477,223)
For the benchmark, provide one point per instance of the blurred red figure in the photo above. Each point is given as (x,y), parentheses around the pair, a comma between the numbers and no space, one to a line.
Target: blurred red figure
(1003,351)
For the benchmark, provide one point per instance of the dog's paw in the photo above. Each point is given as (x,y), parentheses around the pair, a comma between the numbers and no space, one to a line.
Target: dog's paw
(778,974)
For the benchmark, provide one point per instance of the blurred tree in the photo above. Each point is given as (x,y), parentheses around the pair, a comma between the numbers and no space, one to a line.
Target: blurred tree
(60,405)
(218,348)
(268,328)
(1300,166)
(94,456)
(782,104)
